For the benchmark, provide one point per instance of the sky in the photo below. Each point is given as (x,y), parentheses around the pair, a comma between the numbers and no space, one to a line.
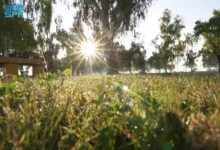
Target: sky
(189,10)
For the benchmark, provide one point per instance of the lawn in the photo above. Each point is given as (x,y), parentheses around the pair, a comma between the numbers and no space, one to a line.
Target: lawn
(111,112)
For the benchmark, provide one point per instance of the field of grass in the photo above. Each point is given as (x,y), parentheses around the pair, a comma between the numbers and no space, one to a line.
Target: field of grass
(111,113)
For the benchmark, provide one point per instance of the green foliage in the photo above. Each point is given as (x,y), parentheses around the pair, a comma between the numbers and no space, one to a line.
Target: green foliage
(70,41)
(111,112)
(155,61)
(134,56)
(67,72)
(210,30)
(170,46)
(42,8)
(109,19)
(118,15)
(18,34)
(191,59)
(209,59)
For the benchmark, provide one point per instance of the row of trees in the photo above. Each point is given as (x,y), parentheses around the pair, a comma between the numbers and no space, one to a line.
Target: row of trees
(31,37)
(172,45)
(109,18)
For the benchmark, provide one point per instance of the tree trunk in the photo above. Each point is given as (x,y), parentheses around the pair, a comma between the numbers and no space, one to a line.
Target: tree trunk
(109,33)
(111,58)
(129,68)
(6,54)
(165,69)
(218,57)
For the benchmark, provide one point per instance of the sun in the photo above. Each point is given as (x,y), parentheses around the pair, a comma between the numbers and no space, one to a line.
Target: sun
(88,49)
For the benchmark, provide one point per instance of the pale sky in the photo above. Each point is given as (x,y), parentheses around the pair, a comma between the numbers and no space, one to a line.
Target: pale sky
(189,10)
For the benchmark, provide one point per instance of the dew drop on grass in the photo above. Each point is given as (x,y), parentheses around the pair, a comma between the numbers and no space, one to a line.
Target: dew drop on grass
(187,122)
(125,88)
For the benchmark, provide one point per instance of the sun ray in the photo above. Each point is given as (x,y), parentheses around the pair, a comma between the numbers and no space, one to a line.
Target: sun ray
(88,48)
(80,63)
(91,50)
(99,57)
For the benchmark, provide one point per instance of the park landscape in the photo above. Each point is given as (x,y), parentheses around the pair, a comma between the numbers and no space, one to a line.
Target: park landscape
(102,95)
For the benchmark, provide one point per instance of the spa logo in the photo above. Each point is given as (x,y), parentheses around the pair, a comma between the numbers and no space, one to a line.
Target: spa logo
(14,10)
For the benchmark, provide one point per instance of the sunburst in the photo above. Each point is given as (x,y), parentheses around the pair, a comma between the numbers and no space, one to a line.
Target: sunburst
(89,50)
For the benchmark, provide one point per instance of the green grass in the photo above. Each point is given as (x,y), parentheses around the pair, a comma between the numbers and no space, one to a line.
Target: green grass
(111,112)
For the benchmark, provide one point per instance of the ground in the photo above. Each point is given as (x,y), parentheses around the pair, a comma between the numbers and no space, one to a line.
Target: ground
(111,112)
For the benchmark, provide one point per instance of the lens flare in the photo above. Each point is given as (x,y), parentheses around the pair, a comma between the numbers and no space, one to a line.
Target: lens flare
(88,49)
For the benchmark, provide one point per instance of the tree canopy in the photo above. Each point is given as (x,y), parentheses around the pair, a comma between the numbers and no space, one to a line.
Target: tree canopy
(17,34)
(168,42)
(135,57)
(209,59)
(111,18)
(210,31)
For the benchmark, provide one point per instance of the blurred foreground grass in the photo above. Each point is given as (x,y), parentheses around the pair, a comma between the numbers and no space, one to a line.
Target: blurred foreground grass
(111,112)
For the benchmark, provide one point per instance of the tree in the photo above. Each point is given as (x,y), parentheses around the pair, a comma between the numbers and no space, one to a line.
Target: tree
(154,62)
(134,57)
(17,34)
(171,67)
(189,43)
(110,18)
(209,59)
(41,12)
(75,59)
(179,49)
(191,59)
(121,56)
(70,42)
(169,46)
(139,56)
(51,50)
(210,31)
